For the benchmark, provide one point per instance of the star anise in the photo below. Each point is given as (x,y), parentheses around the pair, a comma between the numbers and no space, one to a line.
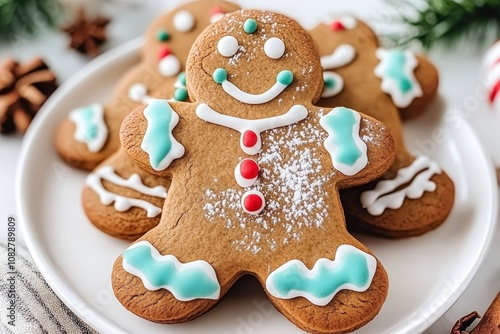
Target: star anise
(23,90)
(87,34)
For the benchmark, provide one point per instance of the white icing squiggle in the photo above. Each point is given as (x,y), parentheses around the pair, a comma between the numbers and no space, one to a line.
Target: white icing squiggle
(294,115)
(333,84)
(341,56)
(382,197)
(122,203)
(90,126)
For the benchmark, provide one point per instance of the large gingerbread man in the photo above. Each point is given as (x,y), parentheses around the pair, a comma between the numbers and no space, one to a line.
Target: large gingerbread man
(91,134)
(120,198)
(255,169)
(415,195)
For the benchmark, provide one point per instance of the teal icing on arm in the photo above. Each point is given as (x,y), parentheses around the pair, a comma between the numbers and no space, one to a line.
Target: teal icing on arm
(158,140)
(396,63)
(186,281)
(396,69)
(352,269)
(346,148)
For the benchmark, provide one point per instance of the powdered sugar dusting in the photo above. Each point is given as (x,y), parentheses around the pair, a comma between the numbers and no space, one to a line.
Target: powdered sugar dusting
(291,179)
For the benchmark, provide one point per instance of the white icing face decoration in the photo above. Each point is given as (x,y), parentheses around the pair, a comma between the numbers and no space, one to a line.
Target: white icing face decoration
(228,46)
(169,66)
(184,21)
(274,48)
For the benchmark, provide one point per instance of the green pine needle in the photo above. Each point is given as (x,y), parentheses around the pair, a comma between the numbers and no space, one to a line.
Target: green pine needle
(447,22)
(23,18)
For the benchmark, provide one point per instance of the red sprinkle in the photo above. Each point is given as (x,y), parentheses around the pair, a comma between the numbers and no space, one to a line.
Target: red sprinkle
(337,26)
(494,92)
(249,169)
(163,52)
(252,203)
(249,138)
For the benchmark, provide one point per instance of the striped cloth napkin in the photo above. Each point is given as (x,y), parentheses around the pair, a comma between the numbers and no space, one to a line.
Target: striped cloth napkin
(38,309)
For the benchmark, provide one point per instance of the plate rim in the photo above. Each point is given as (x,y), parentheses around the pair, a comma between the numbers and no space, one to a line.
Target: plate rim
(103,323)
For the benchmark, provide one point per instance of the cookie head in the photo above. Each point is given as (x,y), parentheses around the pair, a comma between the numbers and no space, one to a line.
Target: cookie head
(170,37)
(252,58)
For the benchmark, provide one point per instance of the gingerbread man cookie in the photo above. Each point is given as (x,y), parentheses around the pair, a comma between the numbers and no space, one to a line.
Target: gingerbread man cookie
(255,169)
(415,195)
(91,134)
(120,198)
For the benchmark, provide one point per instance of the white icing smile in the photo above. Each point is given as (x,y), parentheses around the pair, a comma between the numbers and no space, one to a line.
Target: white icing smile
(283,80)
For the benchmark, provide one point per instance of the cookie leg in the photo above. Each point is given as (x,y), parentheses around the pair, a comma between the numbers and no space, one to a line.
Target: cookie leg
(160,288)
(334,296)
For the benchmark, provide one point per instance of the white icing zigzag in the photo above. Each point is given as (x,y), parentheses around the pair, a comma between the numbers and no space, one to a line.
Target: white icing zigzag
(382,197)
(123,203)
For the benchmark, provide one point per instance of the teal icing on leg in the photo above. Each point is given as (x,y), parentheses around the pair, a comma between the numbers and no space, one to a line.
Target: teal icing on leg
(352,269)
(346,148)
(186,281)
(158,140)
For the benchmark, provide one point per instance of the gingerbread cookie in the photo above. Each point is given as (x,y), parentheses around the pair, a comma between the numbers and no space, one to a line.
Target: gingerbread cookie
(415,195)
(91,134)
(255,169)
(120,198)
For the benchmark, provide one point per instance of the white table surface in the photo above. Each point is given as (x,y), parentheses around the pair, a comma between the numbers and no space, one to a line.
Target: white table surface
(460,85)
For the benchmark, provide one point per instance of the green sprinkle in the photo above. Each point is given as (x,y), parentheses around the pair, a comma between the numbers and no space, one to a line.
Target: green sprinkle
(180,94)
(162,35)
(220,75)
(285,77)
(182,78)
(250,26)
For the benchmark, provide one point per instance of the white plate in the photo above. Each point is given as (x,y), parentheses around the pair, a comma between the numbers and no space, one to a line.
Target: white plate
(427,273)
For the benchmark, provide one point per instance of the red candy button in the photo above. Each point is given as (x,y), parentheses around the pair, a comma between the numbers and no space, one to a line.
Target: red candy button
(337,26)
(163,52)
(253,202)
(249,138)
(246,172)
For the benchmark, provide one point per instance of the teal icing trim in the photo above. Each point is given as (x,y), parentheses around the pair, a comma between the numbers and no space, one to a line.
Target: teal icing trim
(159,141)
(341,123)
(91,128)
(396,62)
(285,77)
(192,280)
(353,270)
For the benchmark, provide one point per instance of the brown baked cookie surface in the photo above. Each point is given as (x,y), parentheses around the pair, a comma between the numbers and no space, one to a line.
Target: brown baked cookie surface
(415,195)
(255,169)
(108,199)
(90,134)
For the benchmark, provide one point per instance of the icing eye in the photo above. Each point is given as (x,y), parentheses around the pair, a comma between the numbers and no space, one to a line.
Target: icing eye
(184,21)
(274,48)
(162,35)
(227,46)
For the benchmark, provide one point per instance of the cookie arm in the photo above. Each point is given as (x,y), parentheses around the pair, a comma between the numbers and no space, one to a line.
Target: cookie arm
(147,136)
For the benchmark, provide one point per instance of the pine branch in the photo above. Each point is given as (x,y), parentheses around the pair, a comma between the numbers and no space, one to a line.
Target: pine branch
(25,17)
(447,22)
